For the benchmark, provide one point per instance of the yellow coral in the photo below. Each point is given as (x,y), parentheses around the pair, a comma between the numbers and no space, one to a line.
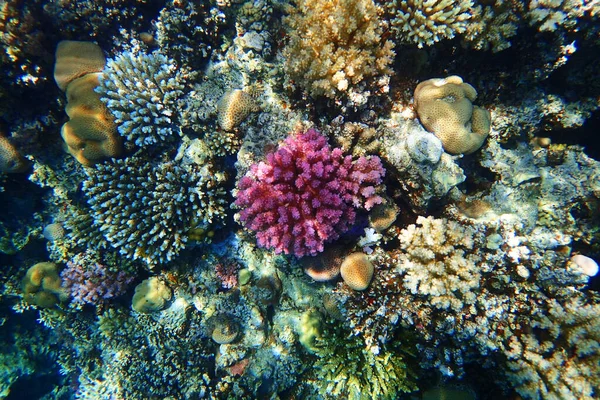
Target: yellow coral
(335,45)
(445,108)
(234,107)
(75,59)
(90,133)
(42,285)
(151,295)
(11,161)
(357,271)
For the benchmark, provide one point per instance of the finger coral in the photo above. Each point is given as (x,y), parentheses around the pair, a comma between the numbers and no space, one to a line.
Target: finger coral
(426,22)
(141,91)
(147,211)
(334,47)
(305,194)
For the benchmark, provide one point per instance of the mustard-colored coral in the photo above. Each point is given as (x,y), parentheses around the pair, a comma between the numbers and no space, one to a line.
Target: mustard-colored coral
(151,295)
(234,107)
(445,108)
(336,45)
(11,160)
(90,133)
(426,22)
(42,285)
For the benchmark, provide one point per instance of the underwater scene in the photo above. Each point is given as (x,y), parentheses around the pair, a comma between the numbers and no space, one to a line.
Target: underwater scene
(300,199)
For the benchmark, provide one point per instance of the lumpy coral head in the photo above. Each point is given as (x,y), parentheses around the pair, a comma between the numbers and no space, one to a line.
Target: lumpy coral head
(305,194)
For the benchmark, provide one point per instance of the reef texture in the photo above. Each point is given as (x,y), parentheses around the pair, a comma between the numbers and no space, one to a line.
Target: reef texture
(417,234)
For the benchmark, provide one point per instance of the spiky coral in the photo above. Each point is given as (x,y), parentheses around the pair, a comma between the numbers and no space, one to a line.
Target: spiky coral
(141,91)
(346,368)
(147,211)
(305,194)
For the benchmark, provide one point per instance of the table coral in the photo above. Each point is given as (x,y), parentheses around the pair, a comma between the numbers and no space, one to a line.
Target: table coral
(147,211)
(305,194)
(141,91)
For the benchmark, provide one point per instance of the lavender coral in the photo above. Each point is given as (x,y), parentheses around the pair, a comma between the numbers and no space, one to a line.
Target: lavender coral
(305,194)
(89,282)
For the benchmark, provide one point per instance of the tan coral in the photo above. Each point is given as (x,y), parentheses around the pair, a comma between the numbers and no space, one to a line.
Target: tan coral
(357,271)
(42,285)
(11,161)
(90,133)
(151,295)
(75,59)
(445,108)
(234,107)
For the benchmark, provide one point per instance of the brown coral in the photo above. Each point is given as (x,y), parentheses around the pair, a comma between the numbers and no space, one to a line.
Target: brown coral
(11,161)
(357,271)
(90,133)
(335,46)
(234,107)
(445,108)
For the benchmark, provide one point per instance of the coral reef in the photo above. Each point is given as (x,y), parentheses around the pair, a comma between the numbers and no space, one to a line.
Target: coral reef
(150,296)
(336,50)
(42,285)
(357,271)
(305,194)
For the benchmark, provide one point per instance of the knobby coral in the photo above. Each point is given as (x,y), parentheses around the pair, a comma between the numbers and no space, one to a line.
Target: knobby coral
(306,194)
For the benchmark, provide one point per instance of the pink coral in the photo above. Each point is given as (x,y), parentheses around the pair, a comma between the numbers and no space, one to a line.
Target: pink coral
(305,194)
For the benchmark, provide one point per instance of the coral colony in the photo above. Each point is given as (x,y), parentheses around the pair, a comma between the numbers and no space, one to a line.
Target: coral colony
(300,199)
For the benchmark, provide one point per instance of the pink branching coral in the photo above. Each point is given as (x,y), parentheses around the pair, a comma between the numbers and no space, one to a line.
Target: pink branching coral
(305,194)
(227,271)
(89,282)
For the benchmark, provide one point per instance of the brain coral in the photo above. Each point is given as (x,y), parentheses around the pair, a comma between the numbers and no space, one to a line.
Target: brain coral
(334,46)
(141,91)
(445,108)
(426,22)
(305,194)
(147,211)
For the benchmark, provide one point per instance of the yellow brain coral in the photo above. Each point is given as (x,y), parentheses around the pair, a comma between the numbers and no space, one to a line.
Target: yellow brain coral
(90,133)
(445,108)
(234,107)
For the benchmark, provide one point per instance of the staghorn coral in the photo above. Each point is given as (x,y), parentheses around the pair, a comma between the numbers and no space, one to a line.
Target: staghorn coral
(425,22)
(147,211)
(445,108)
(335,49)
(141,91)
(305,194)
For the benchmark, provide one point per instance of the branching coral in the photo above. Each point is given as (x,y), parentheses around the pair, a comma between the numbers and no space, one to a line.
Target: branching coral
(346,368)
(147,211)
(305,194)
(560,358)
(336,46)
(425,22)
(141,91)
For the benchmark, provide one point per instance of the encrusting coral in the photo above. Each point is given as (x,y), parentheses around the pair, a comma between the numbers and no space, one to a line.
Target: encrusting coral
(305,194)
(42,285)
(233,107)
(445,107)
(150,296)
(335,49)
(90,133)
